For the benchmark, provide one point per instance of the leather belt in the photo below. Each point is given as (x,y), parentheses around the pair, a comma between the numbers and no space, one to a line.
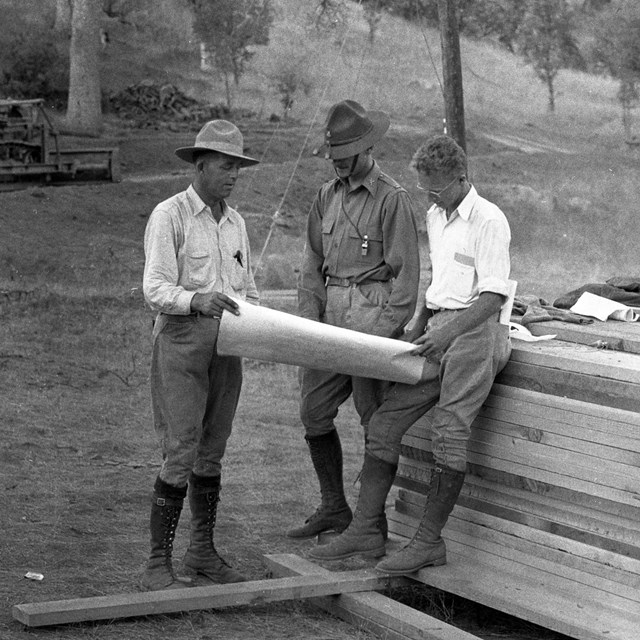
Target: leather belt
(332,281)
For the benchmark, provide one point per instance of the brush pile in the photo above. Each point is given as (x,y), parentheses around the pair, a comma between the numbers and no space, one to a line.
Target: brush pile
(149,105)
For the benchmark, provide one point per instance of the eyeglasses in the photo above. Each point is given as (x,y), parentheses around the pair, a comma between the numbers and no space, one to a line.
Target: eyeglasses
(436,194)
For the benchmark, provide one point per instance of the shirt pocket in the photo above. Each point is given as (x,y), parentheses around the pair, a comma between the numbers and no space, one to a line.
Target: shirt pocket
(328,223)
(199,267)
(366,245)
(238,272)
(463,273)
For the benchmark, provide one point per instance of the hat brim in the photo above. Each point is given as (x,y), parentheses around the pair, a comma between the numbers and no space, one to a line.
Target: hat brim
(380,121)
(187,154)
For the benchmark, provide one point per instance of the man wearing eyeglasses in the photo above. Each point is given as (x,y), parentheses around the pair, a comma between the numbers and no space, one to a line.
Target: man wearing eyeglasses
(458,327)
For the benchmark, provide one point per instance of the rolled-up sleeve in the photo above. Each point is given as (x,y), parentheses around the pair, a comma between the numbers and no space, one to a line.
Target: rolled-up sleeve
(161,273)
(492,257)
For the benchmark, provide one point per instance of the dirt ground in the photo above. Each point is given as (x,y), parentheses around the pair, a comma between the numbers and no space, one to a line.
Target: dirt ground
(78,457)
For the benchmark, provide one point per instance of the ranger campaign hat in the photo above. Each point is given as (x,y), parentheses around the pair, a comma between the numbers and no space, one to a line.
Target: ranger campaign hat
(221,136)
(350,129)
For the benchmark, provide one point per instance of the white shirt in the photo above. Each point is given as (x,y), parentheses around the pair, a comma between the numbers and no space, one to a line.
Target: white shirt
(469,253)
(187,252)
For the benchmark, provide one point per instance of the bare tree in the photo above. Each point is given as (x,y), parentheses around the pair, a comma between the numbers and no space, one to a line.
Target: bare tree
(84,110)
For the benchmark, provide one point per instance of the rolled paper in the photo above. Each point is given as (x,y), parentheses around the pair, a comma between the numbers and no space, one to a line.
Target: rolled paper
(275,336)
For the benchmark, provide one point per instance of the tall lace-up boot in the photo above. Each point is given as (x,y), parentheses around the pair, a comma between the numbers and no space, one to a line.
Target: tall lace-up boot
(334,513)
(166,506)
(364,535)
(427,548)
(201,557)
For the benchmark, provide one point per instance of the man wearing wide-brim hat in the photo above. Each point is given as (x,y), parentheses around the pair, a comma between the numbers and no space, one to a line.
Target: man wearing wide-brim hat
(196,258)
(360,271)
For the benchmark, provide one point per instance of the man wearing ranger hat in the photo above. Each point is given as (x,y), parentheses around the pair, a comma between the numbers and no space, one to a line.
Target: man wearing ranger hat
(196,257)
(360,271)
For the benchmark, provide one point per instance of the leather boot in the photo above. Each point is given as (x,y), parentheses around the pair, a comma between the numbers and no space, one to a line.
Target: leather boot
(364,535)
(201,557)
(334,513)
(427,548)
(165,512)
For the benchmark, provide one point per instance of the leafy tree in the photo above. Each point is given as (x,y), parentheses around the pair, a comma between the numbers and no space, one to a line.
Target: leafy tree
(617,50)
(546,41)
(289,80)
(229,29)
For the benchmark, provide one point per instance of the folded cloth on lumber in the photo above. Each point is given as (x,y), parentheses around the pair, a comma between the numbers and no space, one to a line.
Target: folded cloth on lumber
(534,309)
(622,289)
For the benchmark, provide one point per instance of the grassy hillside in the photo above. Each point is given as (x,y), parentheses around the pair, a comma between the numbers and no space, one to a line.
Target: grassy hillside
(566,180)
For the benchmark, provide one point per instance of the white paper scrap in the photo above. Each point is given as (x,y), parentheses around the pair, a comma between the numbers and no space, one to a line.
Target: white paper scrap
(520,332)
(594,306)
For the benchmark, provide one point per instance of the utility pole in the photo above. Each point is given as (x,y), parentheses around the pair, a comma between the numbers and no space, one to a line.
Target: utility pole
(452,70)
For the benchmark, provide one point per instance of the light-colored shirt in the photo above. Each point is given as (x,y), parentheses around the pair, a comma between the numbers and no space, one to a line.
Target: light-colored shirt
(187,252)
(469,253)
(376,211)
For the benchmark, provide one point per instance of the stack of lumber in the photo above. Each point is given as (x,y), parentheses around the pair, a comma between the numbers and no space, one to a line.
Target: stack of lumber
(547,526)
(147,103)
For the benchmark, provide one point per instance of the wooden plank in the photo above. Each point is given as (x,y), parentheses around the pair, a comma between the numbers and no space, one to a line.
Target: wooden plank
(599,415)
(579,358)
(208,597)
(607,471)
(476,541)
(545,433)
(505,441)
(540,468)
(573,520)
(537,427)
(615,568)
(579,386)
(544,512)
(371,611)
(556,603)
(412,469)
(619,336)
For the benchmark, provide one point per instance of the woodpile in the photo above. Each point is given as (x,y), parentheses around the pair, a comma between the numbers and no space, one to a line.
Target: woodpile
(149,104)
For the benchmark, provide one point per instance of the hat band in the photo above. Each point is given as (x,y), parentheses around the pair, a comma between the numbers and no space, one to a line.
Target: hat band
(221,147)
(349,140)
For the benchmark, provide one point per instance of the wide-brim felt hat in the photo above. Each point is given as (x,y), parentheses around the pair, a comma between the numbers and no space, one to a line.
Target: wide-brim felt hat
(221,136)
(351,129)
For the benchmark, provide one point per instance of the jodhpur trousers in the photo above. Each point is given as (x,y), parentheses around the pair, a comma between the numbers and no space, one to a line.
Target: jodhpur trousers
(194,394)
(356,307)
(454,396)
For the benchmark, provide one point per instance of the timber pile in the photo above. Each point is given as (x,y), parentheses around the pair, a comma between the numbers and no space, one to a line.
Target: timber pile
(148,104)
(547,526)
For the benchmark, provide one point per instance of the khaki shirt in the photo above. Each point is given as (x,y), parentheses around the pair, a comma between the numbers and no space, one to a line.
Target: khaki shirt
(188,252)
(469,253)
(375,211)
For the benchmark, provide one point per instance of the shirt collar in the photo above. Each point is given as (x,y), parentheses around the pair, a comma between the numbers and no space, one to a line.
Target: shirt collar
(198,204)
(464,209)
(370,180)
(466,206)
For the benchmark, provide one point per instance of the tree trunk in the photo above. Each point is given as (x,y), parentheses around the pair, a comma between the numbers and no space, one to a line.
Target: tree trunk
(552,98)
(63,16)
(84,109)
